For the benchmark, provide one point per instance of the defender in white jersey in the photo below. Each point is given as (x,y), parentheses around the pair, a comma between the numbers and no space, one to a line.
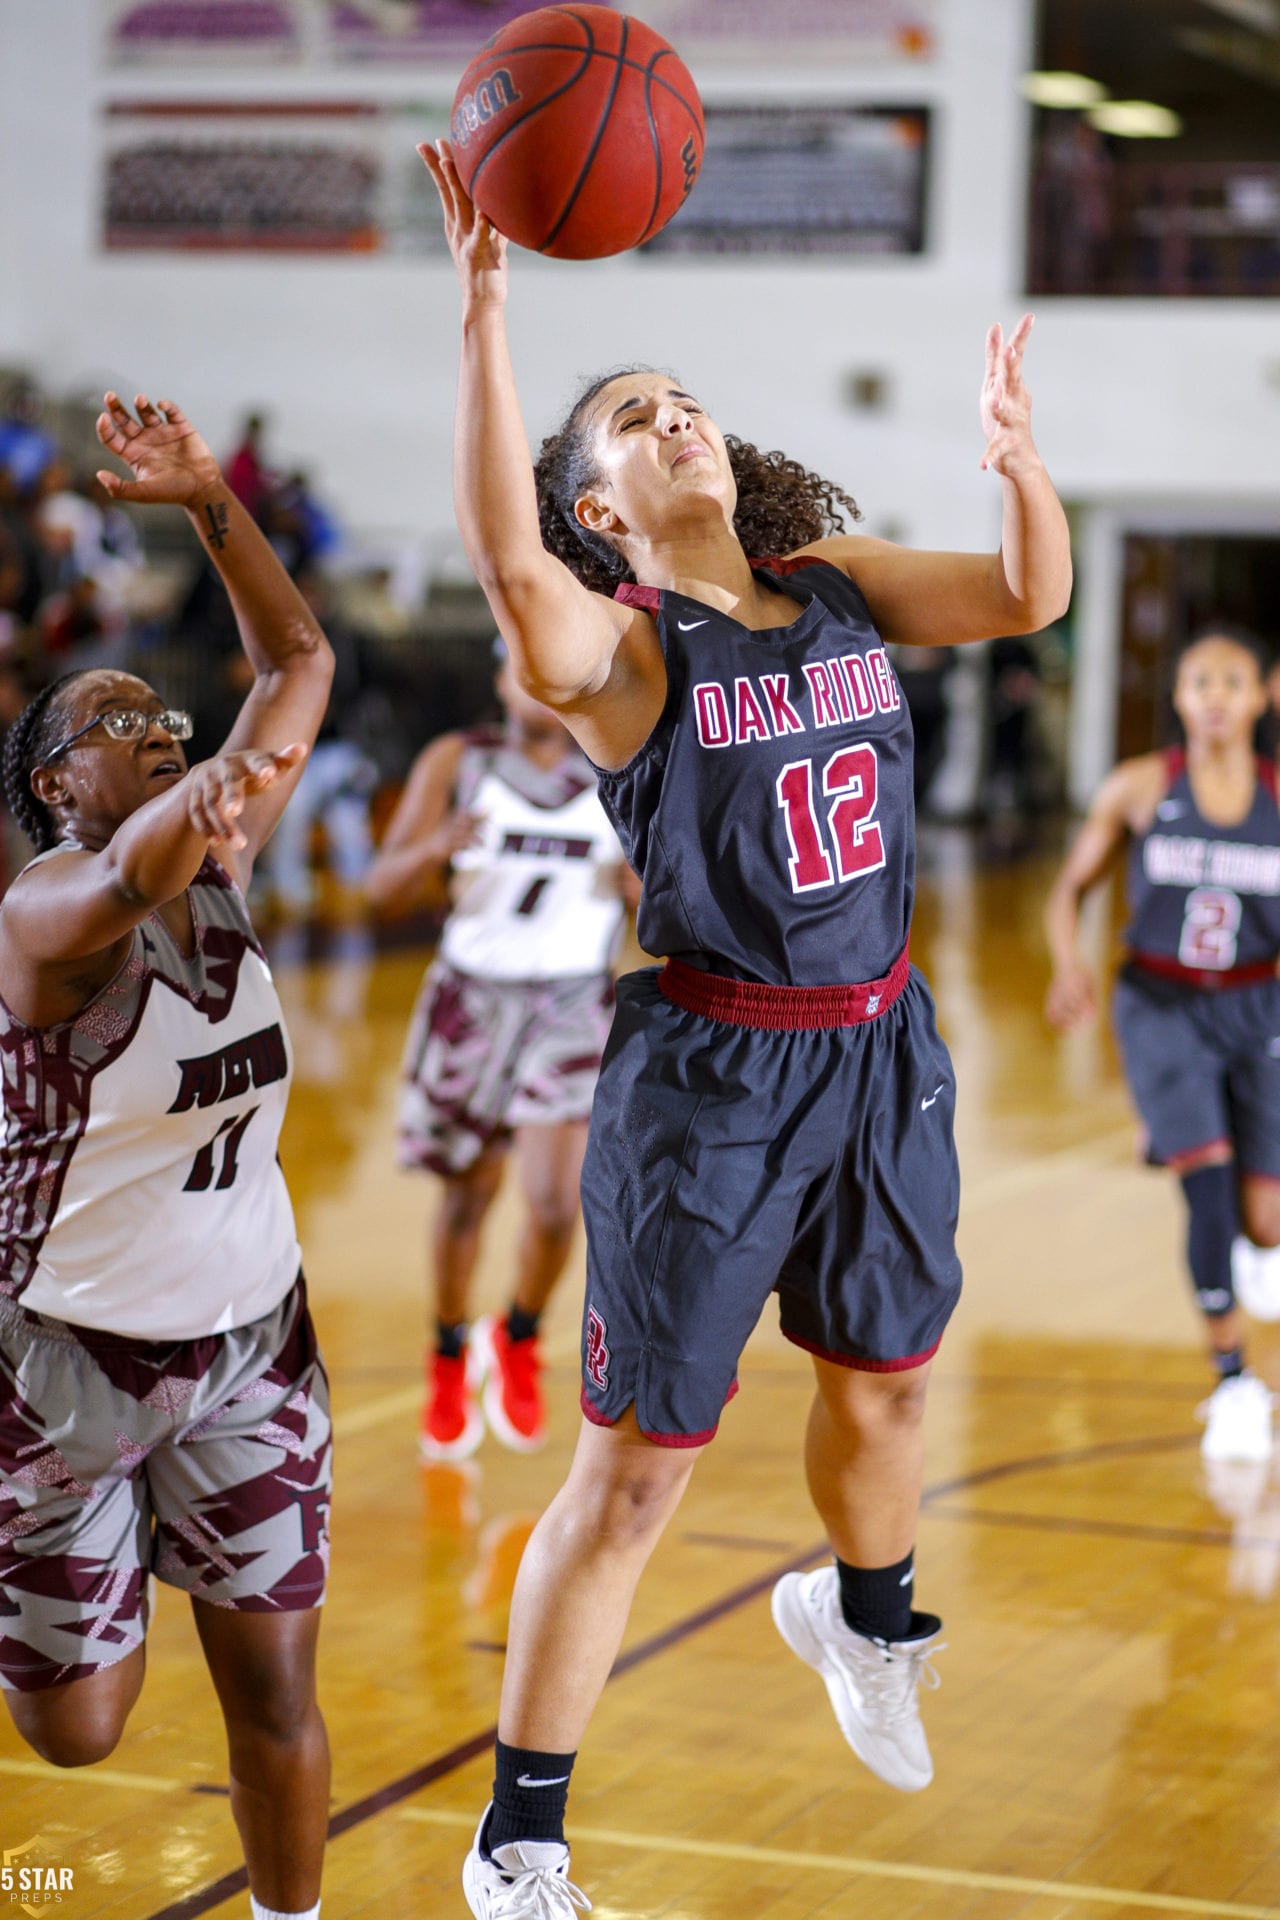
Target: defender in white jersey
(502,823)
(163,1407)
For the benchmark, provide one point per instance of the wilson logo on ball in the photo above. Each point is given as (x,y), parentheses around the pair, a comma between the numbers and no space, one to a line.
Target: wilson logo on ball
(577,131)
(474,110)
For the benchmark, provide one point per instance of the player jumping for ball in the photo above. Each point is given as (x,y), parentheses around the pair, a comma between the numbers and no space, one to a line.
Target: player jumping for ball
(1197,1004)
(503,824)
(775,1106)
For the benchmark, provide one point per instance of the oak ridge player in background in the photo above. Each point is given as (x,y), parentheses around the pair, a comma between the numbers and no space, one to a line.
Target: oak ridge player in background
(503,825)
(163,1407)
(775,1108)
(1197,1003)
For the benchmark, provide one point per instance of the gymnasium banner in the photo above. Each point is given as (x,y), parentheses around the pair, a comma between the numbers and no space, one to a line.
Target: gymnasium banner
(326,32)
(810,179)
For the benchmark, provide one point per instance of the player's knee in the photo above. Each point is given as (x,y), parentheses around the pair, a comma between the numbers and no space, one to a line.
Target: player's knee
(633,1506)
(464,1207)
(1261,1209)
(82,1742)
(881,1403)
(278,1711)
(554,1214)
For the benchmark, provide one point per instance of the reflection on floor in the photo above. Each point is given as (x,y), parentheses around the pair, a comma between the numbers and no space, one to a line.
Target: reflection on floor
(1107,1739)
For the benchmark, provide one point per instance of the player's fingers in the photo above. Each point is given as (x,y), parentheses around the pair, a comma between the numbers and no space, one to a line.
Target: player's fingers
(291,756)
(995,340)
(174,415)
(147,413)
(1022,332)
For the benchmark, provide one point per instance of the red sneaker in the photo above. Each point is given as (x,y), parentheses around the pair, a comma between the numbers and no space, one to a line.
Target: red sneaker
(513,1403)
(451,1424)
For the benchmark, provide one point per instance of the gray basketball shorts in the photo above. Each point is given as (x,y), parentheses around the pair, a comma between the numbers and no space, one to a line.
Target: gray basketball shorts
(486,1056)
(727,1162)
(206,1463)
(1203,1068)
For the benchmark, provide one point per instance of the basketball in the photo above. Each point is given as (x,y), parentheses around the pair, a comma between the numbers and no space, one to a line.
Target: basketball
(577,131)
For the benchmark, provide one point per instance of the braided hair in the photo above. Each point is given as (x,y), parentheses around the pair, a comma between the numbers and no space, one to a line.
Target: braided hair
(781,504)
(33,735)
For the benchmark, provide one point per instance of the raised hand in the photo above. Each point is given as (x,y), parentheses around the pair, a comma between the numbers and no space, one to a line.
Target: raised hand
(1005,404)
(166,456)
(479,250)
(217,789)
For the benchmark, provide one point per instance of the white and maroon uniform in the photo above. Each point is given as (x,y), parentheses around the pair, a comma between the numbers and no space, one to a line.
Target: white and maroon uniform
(163,1407)
(512,1018)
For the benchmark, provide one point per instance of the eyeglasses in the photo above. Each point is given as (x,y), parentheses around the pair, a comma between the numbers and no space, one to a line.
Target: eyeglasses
(130,723)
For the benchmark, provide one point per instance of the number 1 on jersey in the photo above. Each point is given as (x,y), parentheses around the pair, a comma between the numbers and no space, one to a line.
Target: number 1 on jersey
(850,779)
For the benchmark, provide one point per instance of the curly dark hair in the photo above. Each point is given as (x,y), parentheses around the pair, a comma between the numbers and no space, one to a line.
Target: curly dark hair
(32,736)
(781,504)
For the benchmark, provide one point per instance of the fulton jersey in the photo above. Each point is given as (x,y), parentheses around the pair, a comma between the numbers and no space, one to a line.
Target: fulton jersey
(537,897)
(769,814)
(140,1192)
(1202,897)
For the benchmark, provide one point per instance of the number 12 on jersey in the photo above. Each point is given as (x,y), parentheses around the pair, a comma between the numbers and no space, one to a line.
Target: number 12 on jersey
(850,781)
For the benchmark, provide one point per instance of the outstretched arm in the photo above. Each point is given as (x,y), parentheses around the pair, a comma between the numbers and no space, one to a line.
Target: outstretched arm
(934,599)
(572,649)
(411,867)
(290,657)
(64,922)
(1072,994)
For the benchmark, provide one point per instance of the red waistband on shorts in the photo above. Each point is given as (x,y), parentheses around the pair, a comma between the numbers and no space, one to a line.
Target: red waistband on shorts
(1204,979)
(752,1003)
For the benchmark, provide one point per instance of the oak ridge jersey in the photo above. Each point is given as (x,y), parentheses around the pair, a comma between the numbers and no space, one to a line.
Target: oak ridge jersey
(770,812)
(1203,898)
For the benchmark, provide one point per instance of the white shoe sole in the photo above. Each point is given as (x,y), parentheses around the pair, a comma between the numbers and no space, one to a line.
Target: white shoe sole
(791,1618)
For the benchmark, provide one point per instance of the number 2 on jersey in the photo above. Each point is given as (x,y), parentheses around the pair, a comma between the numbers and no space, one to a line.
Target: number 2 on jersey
(850,780)
(1210,929)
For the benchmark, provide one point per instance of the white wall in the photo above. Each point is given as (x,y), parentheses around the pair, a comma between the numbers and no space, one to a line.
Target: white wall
(354,357)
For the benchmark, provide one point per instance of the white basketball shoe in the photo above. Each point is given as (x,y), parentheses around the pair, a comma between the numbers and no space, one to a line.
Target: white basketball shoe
(1237,1417)
(526,1880)
(1255,1275)
(873,1685)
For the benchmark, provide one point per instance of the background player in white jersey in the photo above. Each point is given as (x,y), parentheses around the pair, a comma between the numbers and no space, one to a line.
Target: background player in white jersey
(163,1407)
(503,824)
(1197,1004)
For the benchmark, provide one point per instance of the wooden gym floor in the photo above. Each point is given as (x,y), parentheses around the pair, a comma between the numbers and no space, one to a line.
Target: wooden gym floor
(1106,1738)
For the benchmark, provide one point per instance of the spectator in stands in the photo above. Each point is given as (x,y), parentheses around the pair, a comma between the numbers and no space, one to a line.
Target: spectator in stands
(246,473)
(339,778)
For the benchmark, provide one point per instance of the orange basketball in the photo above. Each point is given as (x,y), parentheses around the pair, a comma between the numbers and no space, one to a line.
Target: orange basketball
(577,131)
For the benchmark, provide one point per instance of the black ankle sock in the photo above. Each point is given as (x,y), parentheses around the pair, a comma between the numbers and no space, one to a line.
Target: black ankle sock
(876,1601)
(521,1325)
(530,1793)
(1230,1363)
(451,1341)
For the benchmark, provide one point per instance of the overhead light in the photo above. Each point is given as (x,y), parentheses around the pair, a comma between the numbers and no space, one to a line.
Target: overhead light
(1135,120)
(1061,90)
(1263,15)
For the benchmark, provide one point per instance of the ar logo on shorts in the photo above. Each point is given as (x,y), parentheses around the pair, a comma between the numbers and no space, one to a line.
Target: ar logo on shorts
(597,1351)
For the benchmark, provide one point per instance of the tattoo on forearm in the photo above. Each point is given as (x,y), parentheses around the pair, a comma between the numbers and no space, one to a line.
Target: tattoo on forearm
(216,514)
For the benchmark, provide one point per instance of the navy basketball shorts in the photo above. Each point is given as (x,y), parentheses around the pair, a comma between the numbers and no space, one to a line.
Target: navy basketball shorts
(725,1161)
(1203,1068)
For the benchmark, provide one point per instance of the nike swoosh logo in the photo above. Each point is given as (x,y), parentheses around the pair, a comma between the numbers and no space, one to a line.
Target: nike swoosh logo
(907,1577)
(687,626)
(932,1097)
(525,1781)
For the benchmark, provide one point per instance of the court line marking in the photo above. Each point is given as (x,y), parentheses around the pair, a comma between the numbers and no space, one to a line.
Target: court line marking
(203,1899)
(100,1777)
(857,1867)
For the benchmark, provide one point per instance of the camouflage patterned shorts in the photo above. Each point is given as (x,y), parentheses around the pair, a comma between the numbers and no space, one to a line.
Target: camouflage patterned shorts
(206,1463)
(485,1056)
